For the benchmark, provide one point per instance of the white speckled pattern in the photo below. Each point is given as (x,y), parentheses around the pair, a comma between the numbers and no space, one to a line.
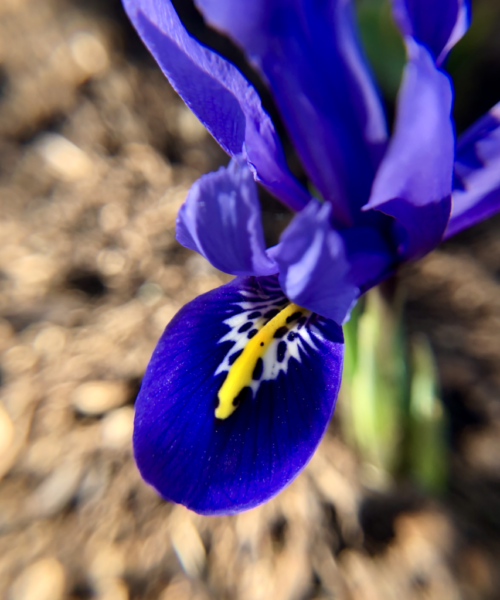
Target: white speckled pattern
(300,334)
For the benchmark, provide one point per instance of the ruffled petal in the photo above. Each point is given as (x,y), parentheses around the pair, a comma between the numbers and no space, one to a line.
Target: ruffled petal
(414,181)
(219,96)
(223,466)
(310,55)
(476,194)
(436,24)
(221,220)
(321,269)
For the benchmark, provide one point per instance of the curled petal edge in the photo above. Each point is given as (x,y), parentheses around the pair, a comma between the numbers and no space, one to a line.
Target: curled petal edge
(221,220)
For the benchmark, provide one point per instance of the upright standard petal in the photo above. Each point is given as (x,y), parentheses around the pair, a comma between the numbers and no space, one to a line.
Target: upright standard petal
(310,55)
(324,271)
(219,96)
(414,181)
(221,220)
(476,194)
(436,24)
(281,366)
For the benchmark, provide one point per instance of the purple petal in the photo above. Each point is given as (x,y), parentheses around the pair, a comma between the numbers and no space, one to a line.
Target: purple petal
(477,174)
(219,96)
(310,55)
(413,184)
(436,24)
(370,258)
(221,220)
(223,466)
(322,270)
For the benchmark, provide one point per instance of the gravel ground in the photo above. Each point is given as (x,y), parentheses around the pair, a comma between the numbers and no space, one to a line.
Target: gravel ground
(96,156)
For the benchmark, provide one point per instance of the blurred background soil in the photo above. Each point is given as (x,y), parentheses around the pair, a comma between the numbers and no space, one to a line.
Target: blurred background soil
(96,155)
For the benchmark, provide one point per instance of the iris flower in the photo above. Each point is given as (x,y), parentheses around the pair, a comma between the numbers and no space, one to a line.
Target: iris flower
(243,382)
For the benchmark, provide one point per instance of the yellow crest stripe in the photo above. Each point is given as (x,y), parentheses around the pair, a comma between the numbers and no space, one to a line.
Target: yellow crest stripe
(241,372)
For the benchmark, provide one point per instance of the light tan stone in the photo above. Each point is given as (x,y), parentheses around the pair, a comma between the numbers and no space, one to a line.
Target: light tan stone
(117,427)
(95,398)
(43,580)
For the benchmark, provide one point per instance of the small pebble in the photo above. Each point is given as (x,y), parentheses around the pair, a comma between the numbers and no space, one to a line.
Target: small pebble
(110,262)
(150,293)
(32,270)
(67,161)
(56,491)
(113,590)
(50,341)
(43,580)
(117,427)
(6,431)
(95,398)
(107,564)
(187,544)
(89,52)
(18,359)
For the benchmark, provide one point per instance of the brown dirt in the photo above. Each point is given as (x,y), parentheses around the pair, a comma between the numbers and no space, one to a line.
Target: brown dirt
(96,155)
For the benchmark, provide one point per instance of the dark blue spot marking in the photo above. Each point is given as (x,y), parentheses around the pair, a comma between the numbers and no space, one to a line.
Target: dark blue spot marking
(301,322)
(281,351)
(252,333)
(245,394)
(254,315)
(271,313)
(293,317)
(233,357)
(280,332)
(281,302)
(291,336)
(258,370)
(245,327)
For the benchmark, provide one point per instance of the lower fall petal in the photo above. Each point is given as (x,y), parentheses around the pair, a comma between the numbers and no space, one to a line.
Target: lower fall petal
(233,463)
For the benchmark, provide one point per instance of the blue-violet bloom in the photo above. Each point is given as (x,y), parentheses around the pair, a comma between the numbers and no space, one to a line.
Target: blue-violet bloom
(243,382)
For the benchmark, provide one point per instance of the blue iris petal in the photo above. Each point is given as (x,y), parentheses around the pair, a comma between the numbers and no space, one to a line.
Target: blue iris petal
(437,24)
(313,266)
(243,382)
(224,466)
(477,174)
(218,94)
(309,53)
(326,270)
(221,220)
(413,183)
